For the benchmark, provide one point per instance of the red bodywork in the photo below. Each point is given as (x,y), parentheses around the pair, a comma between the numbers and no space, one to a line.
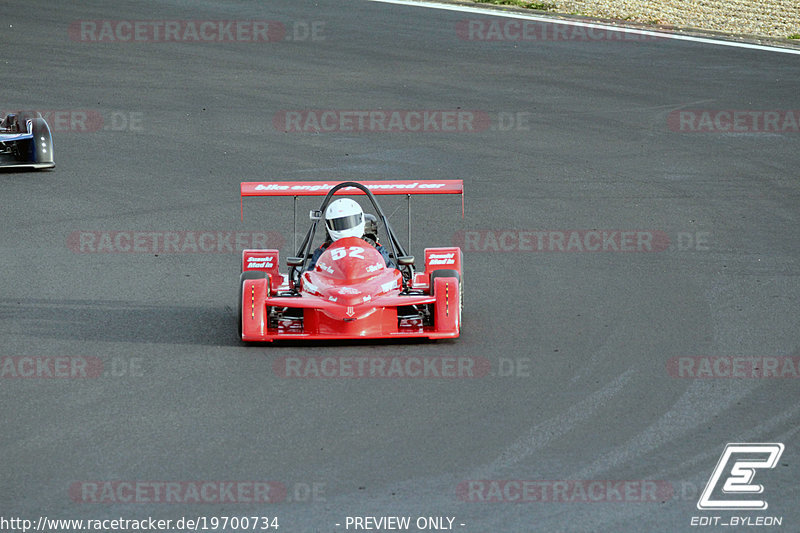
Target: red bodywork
(350,293)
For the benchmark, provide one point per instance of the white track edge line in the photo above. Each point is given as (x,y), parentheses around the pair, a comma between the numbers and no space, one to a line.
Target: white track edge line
(593,25)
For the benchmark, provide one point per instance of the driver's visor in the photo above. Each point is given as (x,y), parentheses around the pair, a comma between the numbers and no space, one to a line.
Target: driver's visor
(344,223)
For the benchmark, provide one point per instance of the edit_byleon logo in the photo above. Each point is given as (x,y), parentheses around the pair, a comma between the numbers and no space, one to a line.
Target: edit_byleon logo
(731,482)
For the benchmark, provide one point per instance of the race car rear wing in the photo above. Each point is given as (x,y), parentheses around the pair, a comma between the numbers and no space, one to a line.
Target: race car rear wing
(321,188)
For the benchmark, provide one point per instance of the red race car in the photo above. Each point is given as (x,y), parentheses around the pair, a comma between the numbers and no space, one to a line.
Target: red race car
(350,287)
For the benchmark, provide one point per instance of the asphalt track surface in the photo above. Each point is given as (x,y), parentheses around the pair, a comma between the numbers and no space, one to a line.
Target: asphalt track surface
(593,336)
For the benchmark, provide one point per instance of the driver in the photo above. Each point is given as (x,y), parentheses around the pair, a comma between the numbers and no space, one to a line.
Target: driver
(345,218)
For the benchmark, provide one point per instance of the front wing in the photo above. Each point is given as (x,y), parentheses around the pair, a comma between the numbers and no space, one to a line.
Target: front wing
(264,318)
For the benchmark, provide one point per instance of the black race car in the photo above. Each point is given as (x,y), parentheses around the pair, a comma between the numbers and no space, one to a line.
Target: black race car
(25,141)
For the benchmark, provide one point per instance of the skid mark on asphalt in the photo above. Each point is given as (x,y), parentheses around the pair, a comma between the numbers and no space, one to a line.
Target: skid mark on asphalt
(706,399)
(118,321)
(543,434)
(699,403)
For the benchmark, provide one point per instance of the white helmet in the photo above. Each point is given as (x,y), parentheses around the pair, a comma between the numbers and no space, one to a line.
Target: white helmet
(344,218)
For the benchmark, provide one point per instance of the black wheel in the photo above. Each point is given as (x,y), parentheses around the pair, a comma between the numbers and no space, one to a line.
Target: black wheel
(251,274)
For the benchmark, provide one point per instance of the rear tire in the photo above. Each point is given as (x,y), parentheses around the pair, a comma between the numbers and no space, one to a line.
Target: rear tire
(251,274)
